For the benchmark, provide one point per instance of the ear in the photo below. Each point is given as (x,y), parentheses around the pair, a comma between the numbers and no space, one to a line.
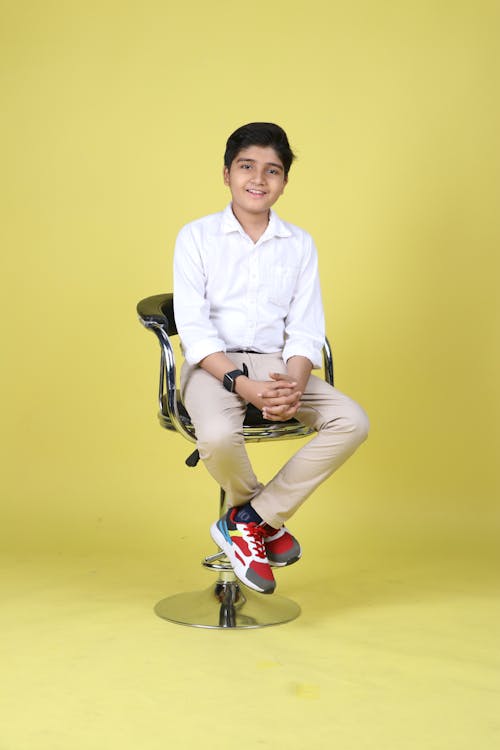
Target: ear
(225,175)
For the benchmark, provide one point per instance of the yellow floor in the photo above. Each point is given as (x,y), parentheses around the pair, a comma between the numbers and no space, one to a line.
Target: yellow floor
(400,654)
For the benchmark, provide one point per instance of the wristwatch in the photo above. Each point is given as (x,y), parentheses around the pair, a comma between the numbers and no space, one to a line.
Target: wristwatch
(229,381)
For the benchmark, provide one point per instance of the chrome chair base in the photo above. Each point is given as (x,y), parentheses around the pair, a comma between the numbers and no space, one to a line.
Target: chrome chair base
(227,604)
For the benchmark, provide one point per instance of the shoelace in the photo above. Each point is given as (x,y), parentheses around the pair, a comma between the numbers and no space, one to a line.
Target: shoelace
(257,535)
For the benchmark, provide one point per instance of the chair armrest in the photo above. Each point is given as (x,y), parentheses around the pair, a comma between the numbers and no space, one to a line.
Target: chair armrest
(328,363)
(156,313)
(158,310)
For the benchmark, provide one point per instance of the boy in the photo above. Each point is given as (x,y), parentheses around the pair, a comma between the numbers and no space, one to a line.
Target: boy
(249,313)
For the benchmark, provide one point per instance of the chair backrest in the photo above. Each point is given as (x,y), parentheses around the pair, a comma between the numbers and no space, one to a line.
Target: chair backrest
(156,313)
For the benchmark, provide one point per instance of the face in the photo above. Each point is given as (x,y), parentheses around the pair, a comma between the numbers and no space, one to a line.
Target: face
(256,179)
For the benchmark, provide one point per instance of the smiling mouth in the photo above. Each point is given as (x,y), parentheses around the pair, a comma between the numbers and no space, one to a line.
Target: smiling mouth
(255,192)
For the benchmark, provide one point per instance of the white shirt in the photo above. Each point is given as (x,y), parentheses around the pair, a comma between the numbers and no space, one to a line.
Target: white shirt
(232,294)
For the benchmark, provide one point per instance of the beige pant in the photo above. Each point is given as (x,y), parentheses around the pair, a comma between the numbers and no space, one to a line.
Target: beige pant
(217,415)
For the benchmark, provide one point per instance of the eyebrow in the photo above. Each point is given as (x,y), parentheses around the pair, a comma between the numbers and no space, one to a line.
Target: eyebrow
(268,163)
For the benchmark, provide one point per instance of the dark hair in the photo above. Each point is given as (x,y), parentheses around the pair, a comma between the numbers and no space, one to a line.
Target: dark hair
(259,134)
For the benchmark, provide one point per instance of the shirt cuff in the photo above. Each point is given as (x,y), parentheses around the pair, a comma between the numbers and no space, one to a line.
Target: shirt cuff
(313,354)
(196,352)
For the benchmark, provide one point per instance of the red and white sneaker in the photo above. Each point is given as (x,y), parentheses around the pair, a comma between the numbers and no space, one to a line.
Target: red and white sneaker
(243,543)
(282,548)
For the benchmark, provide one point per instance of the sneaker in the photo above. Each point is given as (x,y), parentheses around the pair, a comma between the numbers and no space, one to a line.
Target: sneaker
(243,544)
(282,548)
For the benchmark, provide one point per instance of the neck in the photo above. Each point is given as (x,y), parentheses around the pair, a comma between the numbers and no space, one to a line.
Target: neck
(254,224)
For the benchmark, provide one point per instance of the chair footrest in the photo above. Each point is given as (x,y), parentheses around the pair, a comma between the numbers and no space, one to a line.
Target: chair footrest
(218,561)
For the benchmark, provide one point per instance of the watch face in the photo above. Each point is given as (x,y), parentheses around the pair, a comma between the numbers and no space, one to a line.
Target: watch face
(230,380)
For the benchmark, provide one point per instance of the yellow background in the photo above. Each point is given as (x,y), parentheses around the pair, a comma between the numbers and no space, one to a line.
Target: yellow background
(113,126)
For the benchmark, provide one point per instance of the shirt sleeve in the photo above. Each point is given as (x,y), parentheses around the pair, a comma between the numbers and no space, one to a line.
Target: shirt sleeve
(199,337)
(305,322)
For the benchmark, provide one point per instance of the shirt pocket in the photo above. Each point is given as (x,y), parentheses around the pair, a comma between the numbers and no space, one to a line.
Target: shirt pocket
(280,285)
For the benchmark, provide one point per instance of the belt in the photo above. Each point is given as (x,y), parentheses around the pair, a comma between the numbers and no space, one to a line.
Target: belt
(245,351)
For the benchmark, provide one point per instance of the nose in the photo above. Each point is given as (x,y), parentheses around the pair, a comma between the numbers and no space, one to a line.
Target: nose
(258,177)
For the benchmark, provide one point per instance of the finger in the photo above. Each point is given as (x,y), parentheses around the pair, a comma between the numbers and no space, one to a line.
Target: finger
(280,410)
(285,401)
(276,417)
(278,375)
(283,377)
(280,393)
(281,387)
(279,417)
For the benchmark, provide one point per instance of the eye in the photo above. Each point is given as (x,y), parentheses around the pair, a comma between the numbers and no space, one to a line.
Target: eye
(273,171)
(245,166)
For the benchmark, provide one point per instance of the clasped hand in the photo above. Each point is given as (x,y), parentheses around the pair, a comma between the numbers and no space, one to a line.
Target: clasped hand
(278,398)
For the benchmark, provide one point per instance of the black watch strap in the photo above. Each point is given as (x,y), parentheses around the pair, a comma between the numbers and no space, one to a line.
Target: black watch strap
(229,381)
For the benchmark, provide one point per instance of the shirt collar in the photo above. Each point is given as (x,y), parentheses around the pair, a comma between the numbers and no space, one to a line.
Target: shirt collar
(275,228)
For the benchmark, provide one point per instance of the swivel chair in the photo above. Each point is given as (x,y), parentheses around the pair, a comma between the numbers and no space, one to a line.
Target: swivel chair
(227,603)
